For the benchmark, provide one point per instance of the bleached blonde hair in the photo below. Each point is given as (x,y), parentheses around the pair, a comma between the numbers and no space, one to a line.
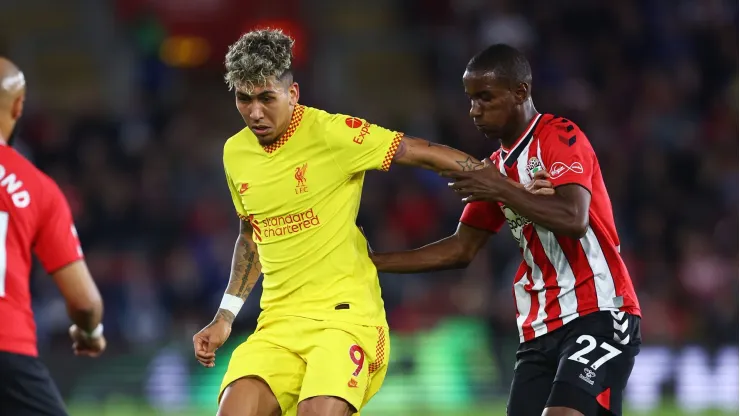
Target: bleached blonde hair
(257,56)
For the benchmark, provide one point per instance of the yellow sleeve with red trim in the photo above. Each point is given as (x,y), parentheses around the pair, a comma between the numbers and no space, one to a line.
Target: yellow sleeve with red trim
(358,145)
(235,196)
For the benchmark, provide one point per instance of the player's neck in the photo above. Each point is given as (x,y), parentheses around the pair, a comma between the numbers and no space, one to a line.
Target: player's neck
(270,142)
(524,117)
(282,130)
(6,130)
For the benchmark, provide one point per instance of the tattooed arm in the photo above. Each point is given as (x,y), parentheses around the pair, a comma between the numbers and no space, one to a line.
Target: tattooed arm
(413,151)
(245,269)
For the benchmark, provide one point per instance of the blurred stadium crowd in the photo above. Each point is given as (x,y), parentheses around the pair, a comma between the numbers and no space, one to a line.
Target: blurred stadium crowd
(652,83)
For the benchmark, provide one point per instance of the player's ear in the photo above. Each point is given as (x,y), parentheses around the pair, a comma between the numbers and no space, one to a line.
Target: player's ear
(293,93)
(16,111)
(521,92)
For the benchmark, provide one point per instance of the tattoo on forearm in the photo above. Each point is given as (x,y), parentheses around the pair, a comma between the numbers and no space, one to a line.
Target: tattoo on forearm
(246,287)
(469,164)
(245,270)
(225,315)
(244,264)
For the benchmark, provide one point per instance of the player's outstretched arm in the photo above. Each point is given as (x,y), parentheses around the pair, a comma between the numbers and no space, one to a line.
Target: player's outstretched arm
(478,222)
(245,270)
(57,247)
(413,151)
(453,252)
(84,306)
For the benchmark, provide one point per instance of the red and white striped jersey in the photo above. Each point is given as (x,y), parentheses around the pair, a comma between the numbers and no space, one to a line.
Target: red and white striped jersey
(560,278)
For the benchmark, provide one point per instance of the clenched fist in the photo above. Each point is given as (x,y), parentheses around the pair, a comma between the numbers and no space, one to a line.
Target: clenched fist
(209,339)
(84,344)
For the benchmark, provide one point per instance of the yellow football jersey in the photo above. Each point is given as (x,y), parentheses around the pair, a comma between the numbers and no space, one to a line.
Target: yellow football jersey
(301,195)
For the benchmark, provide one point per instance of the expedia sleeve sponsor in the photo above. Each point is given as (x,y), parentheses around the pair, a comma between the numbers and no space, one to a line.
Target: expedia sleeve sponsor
(288,224)
(358,145)
(364,132)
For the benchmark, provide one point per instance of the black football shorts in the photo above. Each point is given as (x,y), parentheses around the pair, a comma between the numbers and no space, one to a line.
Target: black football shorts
(26,388)
(583,365)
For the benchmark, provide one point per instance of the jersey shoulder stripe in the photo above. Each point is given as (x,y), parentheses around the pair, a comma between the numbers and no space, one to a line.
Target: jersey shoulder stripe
(552,126)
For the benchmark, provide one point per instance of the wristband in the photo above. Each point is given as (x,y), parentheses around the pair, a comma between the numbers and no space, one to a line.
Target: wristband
(94,334)
(232,303)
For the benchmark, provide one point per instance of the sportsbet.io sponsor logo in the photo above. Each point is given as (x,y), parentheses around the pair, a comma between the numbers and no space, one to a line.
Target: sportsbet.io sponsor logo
(516,222)
(286,224)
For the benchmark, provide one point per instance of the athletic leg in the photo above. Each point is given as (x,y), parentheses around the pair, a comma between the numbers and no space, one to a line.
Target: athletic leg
(248,396)
(325,406)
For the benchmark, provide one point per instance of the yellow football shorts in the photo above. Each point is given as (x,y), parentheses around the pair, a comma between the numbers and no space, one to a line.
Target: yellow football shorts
(300,358)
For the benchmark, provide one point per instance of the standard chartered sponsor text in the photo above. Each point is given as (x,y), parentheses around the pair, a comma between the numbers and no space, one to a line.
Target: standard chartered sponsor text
(289,224)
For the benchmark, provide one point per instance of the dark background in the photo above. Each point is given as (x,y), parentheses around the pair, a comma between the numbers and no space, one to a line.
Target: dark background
(128,112)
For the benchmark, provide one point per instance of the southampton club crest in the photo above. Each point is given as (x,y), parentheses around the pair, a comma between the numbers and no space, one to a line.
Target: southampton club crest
(533,166)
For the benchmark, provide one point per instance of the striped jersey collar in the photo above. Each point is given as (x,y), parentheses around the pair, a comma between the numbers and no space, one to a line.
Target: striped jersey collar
(509,156)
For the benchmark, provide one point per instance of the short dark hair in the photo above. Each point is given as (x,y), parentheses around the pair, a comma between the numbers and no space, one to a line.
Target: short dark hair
(506,62)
